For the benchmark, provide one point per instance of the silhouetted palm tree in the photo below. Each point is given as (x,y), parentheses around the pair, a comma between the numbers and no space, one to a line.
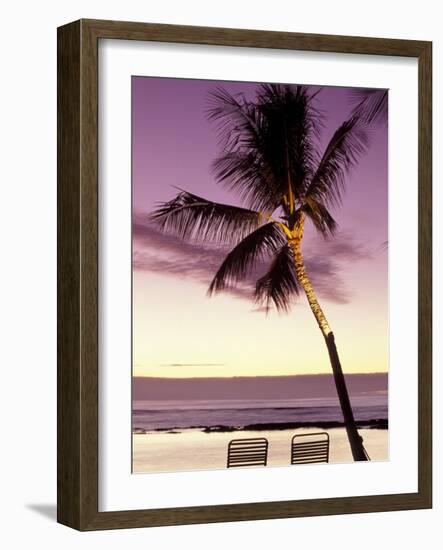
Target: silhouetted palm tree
(270,157)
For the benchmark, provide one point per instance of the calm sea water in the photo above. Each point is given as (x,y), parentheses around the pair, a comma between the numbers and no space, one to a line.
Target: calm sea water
(166,415)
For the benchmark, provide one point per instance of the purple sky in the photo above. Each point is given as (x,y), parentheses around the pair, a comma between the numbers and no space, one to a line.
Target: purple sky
(173,145)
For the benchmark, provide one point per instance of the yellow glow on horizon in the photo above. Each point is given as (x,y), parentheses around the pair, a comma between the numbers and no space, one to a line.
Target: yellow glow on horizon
(191,335)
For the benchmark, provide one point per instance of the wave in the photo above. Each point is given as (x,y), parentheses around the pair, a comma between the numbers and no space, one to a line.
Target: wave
(374,423)
(155,419)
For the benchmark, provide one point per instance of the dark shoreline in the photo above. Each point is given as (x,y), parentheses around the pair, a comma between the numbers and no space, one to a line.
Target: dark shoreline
(374,424)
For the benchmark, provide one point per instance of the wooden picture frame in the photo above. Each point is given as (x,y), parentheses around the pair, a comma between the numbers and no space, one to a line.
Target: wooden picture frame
(78,276)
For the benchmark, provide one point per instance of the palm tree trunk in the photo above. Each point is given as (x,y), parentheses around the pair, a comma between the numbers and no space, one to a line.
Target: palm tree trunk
(355,441)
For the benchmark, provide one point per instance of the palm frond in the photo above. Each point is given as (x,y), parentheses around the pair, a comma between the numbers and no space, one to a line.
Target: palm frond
(348,143)
(241,166)
(268,145)
(292,129)
(236,119)
(320,216)
(262,242)
(250,177)
(279,284)
(192,217)
(370,105)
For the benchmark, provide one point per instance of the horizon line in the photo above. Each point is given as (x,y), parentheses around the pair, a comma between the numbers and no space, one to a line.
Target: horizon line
(257,376)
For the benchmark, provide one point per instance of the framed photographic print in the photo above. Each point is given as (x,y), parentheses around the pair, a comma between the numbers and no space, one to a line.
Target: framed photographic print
(244,275)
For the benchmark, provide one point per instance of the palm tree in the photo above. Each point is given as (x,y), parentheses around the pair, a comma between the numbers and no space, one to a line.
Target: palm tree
(270,157)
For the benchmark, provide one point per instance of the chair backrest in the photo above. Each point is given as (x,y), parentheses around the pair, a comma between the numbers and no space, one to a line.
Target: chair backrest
(310,448)
(248,452)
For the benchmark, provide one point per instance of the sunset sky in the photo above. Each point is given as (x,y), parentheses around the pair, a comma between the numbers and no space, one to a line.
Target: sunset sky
(177,330)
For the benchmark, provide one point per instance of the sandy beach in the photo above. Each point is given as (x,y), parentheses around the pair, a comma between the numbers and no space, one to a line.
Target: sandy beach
(193,449)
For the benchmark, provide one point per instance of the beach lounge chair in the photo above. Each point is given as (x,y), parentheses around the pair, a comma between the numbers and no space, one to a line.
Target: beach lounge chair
(310,448)
(247,452)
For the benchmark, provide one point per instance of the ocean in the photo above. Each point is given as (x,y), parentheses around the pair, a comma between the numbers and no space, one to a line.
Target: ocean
(313,404)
